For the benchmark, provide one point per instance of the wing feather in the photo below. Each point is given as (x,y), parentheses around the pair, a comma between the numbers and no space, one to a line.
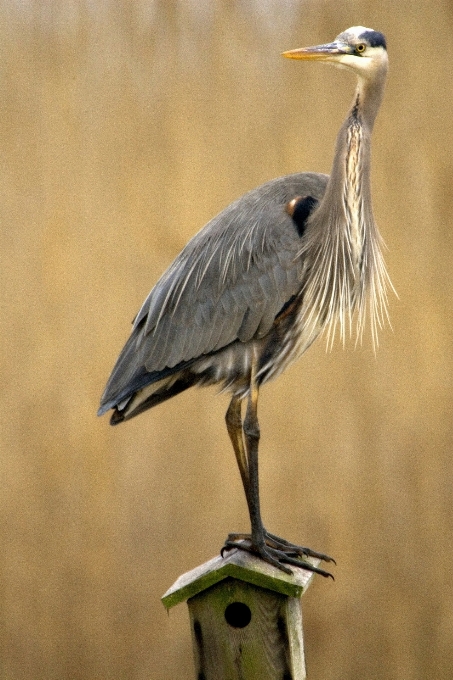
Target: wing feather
(228,284)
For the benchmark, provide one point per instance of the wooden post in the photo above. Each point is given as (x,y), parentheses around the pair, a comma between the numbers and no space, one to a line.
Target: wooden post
(245,618)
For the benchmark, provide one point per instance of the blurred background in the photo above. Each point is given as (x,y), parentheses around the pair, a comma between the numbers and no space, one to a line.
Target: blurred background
(125,126)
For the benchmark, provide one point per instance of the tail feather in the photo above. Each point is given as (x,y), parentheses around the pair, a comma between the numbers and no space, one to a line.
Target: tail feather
(152,395)
(119,392)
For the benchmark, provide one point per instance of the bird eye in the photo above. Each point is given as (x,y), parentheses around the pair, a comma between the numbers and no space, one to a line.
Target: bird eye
(360,48)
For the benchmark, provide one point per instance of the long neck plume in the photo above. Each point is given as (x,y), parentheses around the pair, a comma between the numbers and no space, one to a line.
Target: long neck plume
(347,272)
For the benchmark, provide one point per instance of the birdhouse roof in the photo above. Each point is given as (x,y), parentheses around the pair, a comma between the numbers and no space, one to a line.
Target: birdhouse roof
(243,566)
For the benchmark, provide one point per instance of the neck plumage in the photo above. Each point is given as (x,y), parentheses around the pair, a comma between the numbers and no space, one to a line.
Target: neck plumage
(348,271)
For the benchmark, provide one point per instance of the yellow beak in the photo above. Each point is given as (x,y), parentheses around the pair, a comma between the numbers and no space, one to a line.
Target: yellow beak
(327,52)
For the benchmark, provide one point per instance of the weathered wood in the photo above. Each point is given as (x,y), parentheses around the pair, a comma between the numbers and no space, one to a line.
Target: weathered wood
(241,565)
(245,618)
(266,647)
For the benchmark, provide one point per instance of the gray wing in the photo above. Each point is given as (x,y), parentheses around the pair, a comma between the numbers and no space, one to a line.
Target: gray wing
(227,284)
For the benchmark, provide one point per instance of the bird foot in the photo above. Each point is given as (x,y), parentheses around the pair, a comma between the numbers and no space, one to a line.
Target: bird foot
(278,552)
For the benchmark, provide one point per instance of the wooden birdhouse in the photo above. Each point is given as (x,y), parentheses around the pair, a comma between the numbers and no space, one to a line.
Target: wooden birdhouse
(245,618)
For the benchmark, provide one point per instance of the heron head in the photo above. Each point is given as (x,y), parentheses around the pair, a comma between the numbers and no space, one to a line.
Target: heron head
(357,49)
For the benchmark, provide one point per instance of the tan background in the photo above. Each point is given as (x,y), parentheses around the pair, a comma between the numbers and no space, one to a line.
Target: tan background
(124,127)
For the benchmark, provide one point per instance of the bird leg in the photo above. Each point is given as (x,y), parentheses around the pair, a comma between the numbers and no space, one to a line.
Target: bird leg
(251,431)
(269,547)
(233,420)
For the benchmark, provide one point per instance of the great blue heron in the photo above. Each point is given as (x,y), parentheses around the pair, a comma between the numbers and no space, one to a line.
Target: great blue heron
(255,287)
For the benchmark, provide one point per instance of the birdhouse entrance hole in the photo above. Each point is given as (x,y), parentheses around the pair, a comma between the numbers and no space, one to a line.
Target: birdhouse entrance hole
(238,615)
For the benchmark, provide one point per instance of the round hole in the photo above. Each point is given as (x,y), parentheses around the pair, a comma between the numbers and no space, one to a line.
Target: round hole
(238,615)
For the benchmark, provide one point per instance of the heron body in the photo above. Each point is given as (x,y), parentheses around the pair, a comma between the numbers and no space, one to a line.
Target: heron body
(256,286)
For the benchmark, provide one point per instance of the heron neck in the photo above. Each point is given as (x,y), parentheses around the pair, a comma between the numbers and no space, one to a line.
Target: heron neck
(341,231)
(353,147)
(368,98)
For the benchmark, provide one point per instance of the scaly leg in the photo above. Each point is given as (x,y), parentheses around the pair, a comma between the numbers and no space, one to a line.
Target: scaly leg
(269,547)
(234,426)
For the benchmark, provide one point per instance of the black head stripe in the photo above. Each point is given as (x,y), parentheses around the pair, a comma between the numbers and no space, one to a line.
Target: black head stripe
(374,39)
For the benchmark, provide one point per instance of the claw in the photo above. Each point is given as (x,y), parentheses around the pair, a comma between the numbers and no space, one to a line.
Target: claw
(260,551)
(299,550)
(278,552)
